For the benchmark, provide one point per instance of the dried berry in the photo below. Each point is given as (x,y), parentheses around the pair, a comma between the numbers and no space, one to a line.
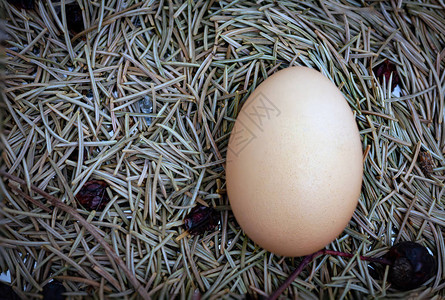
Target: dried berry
(25,4)
(426,162)
(74,18)
(54,291)
(384,70)
(93,195)
(201,219)
(7,293)
(412,265)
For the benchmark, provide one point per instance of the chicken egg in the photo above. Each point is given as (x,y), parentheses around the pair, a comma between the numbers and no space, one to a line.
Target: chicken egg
(294,163)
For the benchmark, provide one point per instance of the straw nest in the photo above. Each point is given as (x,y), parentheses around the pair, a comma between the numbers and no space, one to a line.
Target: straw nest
(198,61)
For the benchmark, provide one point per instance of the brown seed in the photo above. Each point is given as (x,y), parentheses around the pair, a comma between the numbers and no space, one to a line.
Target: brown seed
(93,195)
(201,219)
(426,162)
(384,71)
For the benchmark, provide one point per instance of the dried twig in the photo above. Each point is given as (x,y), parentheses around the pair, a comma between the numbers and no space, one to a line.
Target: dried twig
(94,232)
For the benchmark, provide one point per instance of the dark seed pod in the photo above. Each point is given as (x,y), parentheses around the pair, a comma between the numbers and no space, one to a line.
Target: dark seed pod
(7,293)
(25,4)
(412,265)
(74,19)
(201,219)
(54,291)
(384,70)
(93,195)
(426,162)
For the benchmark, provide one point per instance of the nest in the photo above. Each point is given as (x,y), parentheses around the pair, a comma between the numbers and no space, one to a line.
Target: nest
(72,108)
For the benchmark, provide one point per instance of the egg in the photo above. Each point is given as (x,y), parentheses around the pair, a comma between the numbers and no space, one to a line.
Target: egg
(294,163)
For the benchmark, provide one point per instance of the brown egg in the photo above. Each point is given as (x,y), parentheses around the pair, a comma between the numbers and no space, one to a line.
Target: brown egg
(294,163)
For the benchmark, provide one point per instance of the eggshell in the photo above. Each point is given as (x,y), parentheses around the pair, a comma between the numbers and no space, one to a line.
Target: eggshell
(294,163)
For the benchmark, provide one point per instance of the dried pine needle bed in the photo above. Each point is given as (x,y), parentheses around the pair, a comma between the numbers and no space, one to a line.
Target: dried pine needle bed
(71,114)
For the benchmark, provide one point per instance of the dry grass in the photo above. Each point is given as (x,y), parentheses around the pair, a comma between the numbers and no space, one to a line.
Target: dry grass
(198,62)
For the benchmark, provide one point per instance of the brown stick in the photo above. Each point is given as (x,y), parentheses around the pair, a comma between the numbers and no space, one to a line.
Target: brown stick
(294,275)
(307,259)
(92,229)
(30,199)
